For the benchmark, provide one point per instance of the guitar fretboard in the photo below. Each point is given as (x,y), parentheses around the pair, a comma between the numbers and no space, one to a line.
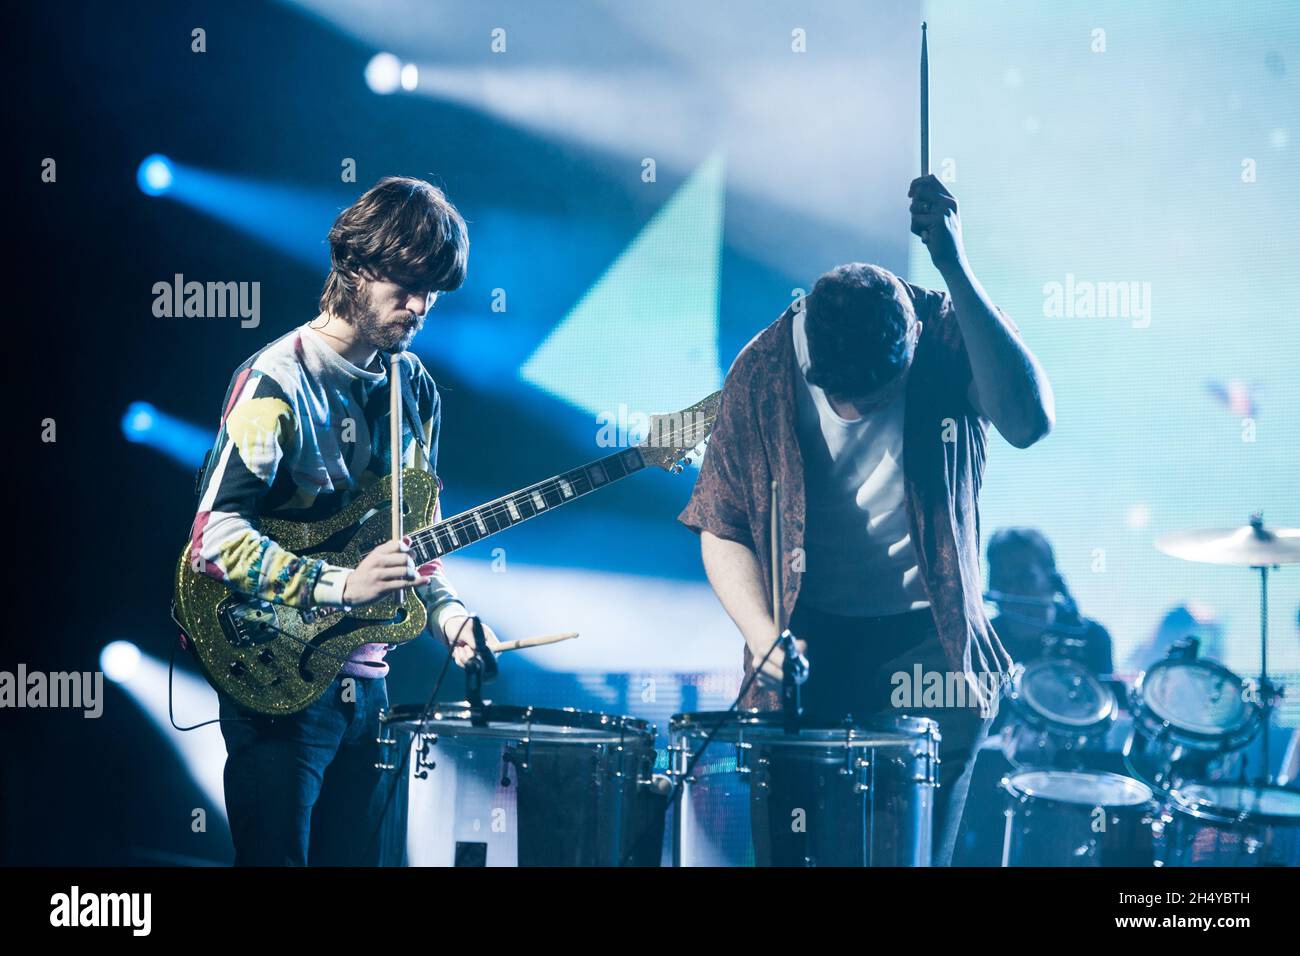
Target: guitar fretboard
(452,534)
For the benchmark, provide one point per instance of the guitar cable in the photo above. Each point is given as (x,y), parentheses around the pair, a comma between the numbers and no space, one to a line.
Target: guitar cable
(171,671)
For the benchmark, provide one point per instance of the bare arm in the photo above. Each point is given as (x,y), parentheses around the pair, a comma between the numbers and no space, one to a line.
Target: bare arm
(737,580)
(1009,385)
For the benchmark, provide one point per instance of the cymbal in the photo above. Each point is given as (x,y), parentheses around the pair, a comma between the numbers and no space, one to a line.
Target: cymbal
(1249,546)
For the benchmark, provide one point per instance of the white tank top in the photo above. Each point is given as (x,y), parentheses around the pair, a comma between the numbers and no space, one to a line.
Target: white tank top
(860,561)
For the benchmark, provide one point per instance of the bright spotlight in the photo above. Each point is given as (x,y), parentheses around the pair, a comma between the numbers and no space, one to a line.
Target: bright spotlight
(384,73)
(154,175)
(138,420)
(119,661)
(410,77)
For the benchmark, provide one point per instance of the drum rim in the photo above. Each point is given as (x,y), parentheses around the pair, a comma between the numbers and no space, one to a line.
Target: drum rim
(615,726)
(1019,793)
(1218,813)
(1023,703)
(1246,725)
(696,723)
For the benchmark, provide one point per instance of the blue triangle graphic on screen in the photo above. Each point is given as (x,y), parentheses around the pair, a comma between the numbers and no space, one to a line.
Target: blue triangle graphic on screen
(645,336)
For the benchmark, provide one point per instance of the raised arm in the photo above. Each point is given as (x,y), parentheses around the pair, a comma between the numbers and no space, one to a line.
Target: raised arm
(1009,385)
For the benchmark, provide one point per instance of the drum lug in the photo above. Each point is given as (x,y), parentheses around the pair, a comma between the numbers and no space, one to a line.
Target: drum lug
(517,755)
(742,751)
(679,756)
(424,761)
(862,767)
(386,745)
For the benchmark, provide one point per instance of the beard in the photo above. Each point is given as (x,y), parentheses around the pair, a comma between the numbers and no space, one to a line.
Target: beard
(386,331)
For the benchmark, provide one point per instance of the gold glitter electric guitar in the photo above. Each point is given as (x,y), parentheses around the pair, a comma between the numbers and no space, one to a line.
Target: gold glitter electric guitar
(276,660)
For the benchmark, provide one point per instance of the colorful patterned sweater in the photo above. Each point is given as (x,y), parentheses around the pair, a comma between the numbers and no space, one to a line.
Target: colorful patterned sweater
(303,432)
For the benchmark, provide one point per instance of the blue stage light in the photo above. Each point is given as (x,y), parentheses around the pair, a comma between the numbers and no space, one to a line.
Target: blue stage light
(154,175)
(138,421)
(177,439)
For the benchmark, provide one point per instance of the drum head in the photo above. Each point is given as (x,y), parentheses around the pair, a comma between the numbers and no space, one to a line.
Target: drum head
(1240,802)
(1064,693)
(1078,787)
(1196,697)
(535,723)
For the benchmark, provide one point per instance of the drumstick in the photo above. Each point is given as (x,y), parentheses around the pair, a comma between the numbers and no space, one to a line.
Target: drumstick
(395,440)
(776,558)
(532,642)
(925,103)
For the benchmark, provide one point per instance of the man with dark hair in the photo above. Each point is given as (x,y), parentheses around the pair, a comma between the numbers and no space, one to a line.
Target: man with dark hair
(304,429)
(869,402)
(1037,615)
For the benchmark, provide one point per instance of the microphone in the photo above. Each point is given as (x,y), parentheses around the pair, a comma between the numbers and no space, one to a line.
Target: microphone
(479,670)
(795,666)
(794,671)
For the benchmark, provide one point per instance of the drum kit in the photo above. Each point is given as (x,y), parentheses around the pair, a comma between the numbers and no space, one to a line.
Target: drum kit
(1184,800)
(529,786)
(483,784)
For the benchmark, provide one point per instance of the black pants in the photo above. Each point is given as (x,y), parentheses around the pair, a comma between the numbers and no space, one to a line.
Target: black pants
(304,789)
(853,667)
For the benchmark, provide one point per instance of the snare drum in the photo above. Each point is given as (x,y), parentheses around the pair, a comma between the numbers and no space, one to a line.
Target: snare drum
(534,787)
(1230,825)
(1061,710)
(1190,718)
(827,796)
(1077,818)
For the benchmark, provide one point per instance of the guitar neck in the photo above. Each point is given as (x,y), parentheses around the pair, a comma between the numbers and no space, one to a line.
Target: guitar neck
(459,531)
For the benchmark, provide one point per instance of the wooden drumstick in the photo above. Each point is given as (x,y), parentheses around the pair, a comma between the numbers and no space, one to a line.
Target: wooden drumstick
(925,103)
(532,642)
(395,440)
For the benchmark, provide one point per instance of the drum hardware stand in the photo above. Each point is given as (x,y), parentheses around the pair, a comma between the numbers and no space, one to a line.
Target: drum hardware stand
(481,669)
(794,666)
(1260,549)
(1266,688)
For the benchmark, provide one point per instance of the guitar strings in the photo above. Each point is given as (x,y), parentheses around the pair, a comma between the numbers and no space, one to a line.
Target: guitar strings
(494,509)
(497,507)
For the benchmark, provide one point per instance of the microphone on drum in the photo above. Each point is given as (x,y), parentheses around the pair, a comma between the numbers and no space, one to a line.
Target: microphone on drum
(795,666)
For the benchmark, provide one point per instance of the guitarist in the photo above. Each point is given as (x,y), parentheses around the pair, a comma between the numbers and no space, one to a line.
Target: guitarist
(305,428)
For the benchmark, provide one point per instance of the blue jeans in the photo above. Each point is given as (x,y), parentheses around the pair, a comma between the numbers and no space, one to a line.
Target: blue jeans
(304,789)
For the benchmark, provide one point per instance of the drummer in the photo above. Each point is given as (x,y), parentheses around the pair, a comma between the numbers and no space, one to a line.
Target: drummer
(1037,615)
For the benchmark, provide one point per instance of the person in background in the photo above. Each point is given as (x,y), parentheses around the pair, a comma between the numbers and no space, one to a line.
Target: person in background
(1037,615)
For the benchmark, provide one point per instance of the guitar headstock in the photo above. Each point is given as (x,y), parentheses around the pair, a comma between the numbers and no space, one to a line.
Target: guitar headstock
(675,436)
